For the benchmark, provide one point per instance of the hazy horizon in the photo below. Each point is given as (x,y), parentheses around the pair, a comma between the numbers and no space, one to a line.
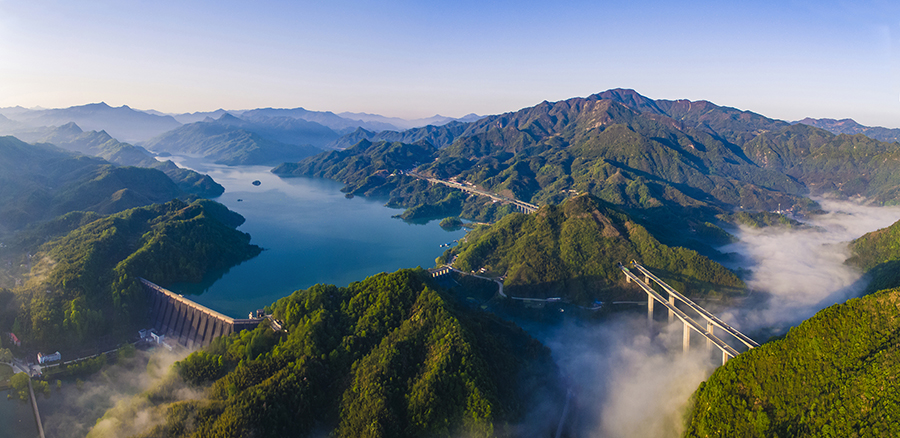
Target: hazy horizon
(784,60)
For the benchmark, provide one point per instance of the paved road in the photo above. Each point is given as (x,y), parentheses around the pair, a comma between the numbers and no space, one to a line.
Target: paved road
(529,208)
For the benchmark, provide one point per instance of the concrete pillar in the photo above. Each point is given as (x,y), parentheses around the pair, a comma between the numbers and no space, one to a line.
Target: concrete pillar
(208,332)
(170,307)
(650,313)
(709,331)
(220,328)
(155,303)
(178,322)
(159,310)
(724,357)
(686,342)
(671,312)
(647,280)
(201,329)
(190,327)
(627,279)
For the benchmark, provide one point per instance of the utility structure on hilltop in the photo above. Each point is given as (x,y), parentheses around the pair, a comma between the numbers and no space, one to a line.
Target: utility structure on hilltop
(689,323)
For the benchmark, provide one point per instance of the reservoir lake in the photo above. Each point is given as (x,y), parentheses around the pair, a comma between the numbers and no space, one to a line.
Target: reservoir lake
(311,233)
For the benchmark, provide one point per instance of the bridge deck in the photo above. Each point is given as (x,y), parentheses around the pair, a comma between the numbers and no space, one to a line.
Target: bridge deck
(687,320)
(750,343)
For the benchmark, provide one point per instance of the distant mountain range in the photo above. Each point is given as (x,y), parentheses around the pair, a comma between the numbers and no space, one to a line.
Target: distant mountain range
(850,127)
(436,120)
(264,136)
(226,142)
(123,123)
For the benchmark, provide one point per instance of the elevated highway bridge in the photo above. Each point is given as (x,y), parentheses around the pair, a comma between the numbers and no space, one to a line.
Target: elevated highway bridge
(522,206)
(690,324)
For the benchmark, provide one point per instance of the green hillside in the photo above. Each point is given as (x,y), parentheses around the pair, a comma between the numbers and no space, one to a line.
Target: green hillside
(834,375)
(572,250)
(388,356)
(878,254)
(661,160)
(378,169)
(84,284)
(100,144)
(39,182)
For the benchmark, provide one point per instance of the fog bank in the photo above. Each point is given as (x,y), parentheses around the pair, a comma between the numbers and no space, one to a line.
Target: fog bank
(74,410)
(803,270)
(631,384)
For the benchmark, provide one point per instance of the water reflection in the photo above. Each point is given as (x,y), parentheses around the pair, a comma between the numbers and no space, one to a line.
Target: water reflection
(311,234)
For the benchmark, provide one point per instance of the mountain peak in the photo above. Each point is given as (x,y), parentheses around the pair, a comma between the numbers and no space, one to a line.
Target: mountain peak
(631,99)
(71,128)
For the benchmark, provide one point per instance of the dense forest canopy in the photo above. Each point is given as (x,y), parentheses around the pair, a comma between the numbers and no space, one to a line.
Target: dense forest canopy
(389,356)
(85,283)
(878,254)
(833,375)
(39,182)
(671,164)
(572,250)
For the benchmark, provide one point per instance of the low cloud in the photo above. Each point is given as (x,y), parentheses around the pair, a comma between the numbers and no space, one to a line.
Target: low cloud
(627,382)
(76,412)
(803,271)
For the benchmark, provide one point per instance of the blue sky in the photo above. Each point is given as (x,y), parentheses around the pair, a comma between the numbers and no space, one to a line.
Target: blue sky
(784,59)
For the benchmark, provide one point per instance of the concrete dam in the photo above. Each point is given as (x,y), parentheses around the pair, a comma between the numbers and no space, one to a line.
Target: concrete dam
(188,323)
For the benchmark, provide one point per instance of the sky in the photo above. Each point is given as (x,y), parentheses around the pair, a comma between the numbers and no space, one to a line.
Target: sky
(784,59)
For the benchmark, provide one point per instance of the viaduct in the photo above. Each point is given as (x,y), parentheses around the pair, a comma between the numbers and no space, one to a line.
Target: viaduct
(712,322)
(522,206)
(187,322)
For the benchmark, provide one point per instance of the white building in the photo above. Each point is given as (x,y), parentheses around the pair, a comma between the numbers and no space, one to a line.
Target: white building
(44,358)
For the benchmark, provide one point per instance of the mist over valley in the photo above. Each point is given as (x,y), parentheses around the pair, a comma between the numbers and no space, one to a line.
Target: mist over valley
(534,331)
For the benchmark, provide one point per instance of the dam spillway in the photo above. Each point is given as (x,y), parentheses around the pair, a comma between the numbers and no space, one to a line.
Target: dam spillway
(186,322)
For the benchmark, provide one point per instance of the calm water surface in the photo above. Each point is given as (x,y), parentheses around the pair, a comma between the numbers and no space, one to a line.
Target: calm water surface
(311,234)
(16,418)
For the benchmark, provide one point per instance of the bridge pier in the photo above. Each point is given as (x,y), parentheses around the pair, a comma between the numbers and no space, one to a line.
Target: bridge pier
(712,321)
(672,304)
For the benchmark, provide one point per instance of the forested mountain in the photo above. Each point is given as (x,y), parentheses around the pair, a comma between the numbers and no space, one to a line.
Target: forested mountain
(878,254)
(849,126)
(572,251)
(85,284)
(833,375)
(388,356)
(39,182)
(377,169)
(661,160)
(123,123)
(437,136)
(234,141)
(100,144)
